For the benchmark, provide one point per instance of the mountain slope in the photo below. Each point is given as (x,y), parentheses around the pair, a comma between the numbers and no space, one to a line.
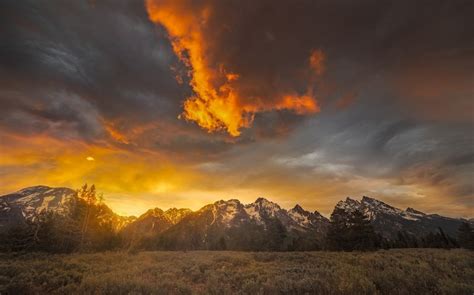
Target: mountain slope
(28,203)
(154,221)
(36,199)
(233,225)
(388,220)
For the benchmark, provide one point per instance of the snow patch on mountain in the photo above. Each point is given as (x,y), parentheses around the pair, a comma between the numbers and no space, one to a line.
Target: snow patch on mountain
(299,215)
(175,215)
(253,213)
(38,199)
(29,202)
(228,210)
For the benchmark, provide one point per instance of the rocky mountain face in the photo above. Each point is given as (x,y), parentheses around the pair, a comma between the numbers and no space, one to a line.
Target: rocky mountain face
(28,203)
(261,225)
(32,201)
(231,224)
(388,220)
(154,222)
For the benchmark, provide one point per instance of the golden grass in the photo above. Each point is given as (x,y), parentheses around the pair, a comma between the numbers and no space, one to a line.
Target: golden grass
(408,271)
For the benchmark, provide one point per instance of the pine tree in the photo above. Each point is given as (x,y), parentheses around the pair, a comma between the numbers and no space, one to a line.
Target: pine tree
(336,235)
(350,231)
(222,244)
(466,236)
(362,234)
(88,196)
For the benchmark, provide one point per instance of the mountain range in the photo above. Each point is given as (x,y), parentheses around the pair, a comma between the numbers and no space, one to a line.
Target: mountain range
(225,224)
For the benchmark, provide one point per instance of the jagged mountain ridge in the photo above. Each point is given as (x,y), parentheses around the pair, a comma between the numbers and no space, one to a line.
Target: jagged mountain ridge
(226,216)
(255,226)
(233,212)
(155,221)
(388,220)
(223,219)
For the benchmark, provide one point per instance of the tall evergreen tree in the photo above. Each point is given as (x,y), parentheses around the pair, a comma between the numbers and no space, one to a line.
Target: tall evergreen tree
(466,236)
(88,196)
(350,231)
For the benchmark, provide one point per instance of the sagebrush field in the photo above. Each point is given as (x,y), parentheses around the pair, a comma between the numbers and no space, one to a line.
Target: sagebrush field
(408,271)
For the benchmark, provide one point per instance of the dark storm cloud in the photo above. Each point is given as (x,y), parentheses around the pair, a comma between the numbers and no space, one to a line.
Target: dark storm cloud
(108,54)
(383,137)
(70,61)
(269,42)
(81,68)
(62,114)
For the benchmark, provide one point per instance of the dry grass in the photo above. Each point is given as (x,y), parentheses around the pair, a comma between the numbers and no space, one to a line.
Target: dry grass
(409,271)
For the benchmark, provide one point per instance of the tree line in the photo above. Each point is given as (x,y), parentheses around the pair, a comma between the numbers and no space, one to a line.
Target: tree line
(351,231)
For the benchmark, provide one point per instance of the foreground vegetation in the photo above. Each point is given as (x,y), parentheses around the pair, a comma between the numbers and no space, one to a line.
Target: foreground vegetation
(404,271)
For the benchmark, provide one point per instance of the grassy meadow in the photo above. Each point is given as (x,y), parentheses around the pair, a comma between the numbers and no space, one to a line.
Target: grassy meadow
(407,271)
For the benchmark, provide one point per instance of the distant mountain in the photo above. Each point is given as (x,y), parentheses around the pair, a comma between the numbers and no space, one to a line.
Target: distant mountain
(154,221)
(295,219)
(388,220)
(36,199)
(233,225)
(28,203)
(261,225)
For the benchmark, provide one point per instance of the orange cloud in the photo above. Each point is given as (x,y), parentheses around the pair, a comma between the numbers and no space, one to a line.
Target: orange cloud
(114,133)
(316,61)
(218,103)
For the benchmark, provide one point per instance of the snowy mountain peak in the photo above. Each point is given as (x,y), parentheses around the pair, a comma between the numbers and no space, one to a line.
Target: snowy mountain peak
(155,212)
(373,202)
(369,200)
(414,211)
(225,212)
(33,189)
(352,202)
(172,215)
(319,215)
(263,203)
(28,203)
(388,220)
(231,202)
(348,205)
(175,215)
(34,200)
(262,208)
(299,209)
(377,205)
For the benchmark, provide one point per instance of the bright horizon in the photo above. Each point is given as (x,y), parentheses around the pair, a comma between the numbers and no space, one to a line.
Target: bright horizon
(128,206)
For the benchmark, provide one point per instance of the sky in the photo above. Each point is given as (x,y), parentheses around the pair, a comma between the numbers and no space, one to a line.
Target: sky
(181,103)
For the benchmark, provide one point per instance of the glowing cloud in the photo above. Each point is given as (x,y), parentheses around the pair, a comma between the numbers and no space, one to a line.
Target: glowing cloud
(219,102)
(316,61)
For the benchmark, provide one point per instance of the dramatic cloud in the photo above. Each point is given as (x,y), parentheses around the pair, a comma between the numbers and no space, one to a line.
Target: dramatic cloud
(227,96)
(179,103)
